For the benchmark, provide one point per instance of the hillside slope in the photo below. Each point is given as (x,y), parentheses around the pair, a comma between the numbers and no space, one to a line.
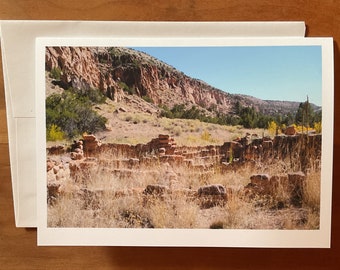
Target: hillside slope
(121,72)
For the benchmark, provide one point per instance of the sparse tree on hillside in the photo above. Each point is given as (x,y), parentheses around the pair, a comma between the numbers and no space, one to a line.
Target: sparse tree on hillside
(305,114)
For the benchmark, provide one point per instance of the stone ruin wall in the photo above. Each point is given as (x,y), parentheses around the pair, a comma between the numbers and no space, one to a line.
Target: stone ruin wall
(299,149)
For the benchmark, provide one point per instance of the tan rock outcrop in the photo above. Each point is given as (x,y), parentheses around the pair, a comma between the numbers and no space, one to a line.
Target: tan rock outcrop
(289,185)
(91,143)
(80,69)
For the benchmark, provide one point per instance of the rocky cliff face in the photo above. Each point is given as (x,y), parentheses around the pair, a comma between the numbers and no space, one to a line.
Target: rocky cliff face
(166,85)
(119,72)
(78,65)
(80,69)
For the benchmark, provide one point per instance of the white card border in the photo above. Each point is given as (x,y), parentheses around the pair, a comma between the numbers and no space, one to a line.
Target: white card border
(189,237)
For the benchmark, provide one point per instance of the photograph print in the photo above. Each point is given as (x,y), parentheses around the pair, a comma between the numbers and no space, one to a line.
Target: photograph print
(205,137)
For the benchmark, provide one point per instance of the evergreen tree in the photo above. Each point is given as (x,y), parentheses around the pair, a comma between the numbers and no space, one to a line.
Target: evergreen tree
(305,114)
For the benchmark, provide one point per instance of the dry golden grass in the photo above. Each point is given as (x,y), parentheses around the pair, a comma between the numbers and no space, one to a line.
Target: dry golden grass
(139,127)
(118,199)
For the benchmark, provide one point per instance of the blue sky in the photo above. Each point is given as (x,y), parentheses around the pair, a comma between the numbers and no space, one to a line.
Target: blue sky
(267,72)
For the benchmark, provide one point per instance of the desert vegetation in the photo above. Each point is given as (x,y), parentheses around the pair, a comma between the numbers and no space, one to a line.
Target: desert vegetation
(70,113)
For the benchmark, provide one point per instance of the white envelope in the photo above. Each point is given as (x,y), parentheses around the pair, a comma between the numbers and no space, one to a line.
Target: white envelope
(18,56)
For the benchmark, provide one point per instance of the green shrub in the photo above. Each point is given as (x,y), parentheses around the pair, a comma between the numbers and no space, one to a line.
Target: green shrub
(95,96)
(72,112)
(126,88)
(56,73)
(147,99)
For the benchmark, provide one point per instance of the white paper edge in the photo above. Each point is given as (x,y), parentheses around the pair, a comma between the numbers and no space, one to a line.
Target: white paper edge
(11,124)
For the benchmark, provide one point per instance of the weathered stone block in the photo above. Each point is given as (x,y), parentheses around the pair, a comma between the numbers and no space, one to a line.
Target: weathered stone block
(260,179)
(155,190)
